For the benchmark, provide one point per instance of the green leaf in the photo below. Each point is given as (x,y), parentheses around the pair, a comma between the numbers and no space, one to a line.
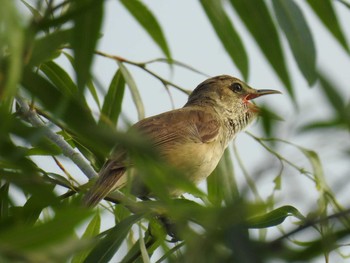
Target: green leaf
(11,51)
(113,100)
(70,110)
(316,167)
(221,183)
(325,11)
(227,34)
(297,31)
(274,218)
(110,244)
(333,96)
(86,32)
(143,249)
(60,79)
(134,90)
(36,14)
(148,21)
(46,48)
(4,200)
(91,231)
(257,19)
(24,237)
(90,83)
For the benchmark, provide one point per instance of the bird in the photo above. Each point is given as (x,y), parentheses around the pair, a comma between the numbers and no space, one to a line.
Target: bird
(192,138)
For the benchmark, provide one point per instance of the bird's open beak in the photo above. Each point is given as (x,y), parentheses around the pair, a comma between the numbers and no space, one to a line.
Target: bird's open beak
(261,92)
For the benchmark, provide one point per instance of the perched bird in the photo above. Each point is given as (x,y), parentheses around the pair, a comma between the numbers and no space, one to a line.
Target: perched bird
(191,139)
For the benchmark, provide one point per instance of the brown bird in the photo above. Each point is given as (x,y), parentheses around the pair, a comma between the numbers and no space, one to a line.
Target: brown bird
(191,139)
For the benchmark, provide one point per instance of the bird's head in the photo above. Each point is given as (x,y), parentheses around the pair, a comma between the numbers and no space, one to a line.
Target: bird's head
(228,93)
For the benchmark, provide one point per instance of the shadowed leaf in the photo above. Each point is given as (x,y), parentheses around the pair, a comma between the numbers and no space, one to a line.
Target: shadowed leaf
(258,20)
(228,35)
(326,13)
(148,21)
(109,245)
(296,29)
(86,32)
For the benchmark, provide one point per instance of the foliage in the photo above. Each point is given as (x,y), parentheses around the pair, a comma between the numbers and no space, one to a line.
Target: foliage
(45,112)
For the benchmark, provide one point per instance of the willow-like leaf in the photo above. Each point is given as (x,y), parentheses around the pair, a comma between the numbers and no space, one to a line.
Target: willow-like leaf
(297,31)
(255,15)
(227,33)
(326,13)
(149,22)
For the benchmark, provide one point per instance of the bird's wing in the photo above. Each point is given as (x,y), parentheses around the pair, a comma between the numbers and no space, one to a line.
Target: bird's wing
(174,127)
(178,126)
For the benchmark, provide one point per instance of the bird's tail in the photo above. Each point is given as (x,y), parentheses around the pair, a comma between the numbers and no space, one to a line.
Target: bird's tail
(105,183)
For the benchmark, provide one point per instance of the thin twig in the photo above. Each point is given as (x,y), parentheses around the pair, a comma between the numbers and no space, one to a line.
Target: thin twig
(142,66)
(313,223)
(31,116)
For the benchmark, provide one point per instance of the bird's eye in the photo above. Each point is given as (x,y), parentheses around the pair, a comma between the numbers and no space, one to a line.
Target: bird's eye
(236,87)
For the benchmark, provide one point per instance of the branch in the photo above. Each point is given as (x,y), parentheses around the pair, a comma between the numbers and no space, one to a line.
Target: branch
(143,66)
(339,215)
(30,115)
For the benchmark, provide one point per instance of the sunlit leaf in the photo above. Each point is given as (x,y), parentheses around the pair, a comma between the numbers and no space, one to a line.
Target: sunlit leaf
(275,217)
(297,31)
(148,21)
(316,167)
(227,33)
(221,184)
(326,13)
(258,20)
(134,91)
(113,100)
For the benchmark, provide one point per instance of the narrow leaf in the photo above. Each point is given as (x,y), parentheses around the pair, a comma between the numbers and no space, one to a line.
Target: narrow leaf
(113,100)
(227,33)
(325,11)
(333,96)
(257,19)
(46,48)
(4,200)
(316,167)
(91,231)
(86,32)
(143,249)
(11,51)
(274,217)
(134,90)
(296,29)
(90,83)
(110,244)
(148,21)
(26,237)
(60,78)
